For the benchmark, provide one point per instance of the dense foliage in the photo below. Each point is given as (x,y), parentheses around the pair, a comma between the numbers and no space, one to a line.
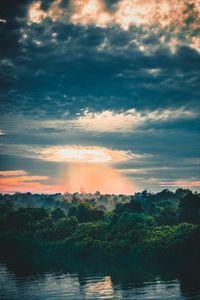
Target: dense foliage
(147,225)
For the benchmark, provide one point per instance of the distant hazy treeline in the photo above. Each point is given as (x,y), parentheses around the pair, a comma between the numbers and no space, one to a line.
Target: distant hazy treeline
(145,225)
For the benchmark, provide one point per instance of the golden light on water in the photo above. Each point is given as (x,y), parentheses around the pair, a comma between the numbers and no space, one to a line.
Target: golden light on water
(99,287)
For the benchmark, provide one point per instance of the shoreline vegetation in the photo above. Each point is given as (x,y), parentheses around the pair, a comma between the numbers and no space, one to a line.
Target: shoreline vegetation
(144,227)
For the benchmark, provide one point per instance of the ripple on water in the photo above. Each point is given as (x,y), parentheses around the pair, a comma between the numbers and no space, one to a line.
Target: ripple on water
(64,285)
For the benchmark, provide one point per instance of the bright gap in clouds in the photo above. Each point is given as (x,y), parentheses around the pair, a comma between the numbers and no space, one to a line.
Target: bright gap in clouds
(85,154)
(148,13)
(87,167)
(90,168)
(151,15)
(72,178)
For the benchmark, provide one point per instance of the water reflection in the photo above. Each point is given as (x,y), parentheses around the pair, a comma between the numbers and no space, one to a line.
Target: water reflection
(33,278)
(99,287)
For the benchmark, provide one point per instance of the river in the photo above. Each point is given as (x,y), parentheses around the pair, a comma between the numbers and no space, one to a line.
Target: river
(34,278)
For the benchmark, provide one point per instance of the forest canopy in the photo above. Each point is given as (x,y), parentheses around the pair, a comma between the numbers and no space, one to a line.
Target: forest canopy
(145,225)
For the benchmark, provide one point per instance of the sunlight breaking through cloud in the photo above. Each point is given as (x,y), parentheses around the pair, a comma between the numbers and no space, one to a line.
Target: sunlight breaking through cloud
(96,177)
(175,16)
(88,154)
(124,13)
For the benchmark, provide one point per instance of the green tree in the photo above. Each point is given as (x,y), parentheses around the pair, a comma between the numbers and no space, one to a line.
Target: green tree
(57,214)
(73,211)
(190,208)
(65,228)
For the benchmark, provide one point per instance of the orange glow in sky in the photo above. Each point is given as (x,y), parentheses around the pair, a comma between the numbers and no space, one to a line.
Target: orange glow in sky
(83,167)
(73,178)
(96,177)
(19,181)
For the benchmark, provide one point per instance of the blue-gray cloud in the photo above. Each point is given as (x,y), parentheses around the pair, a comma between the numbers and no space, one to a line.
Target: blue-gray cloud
(53,71)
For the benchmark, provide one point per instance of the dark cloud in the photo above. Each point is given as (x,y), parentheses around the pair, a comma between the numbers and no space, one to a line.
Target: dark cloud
(50,70)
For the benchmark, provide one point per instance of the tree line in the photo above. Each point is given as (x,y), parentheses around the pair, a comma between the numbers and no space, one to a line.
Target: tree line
(149,226)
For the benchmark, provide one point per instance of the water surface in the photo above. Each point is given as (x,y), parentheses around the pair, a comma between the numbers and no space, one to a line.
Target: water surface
(28,278)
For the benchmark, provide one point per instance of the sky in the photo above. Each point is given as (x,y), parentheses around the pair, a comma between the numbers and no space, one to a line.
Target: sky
(99,95)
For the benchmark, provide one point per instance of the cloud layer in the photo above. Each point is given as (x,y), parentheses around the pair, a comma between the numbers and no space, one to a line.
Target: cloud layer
(155,16)
(19,181)
(128,121)
(113,121)
(125,13)
(115,81)
(87,154)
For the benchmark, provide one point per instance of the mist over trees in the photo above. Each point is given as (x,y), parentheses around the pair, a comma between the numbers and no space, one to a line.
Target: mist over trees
(145,225)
